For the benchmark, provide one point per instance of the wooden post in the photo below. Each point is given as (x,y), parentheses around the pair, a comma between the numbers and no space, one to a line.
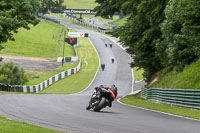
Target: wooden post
(63,48)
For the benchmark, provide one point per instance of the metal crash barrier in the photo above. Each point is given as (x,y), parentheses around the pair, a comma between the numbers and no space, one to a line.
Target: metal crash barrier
(180,97)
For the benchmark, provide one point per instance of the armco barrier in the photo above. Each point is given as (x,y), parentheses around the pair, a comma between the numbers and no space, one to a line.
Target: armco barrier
(49,19)
(41,86)
(89,25)
(181,97)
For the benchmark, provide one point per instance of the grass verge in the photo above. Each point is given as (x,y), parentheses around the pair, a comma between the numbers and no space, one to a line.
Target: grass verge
(139,102)
(80,4)
(67,66)
(40,41)
(138,74)
(189,78)
(36,77)
(11,126)
(77,82)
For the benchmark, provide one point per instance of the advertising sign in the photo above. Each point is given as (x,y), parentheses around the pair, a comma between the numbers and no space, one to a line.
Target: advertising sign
(79,11)
(77,34)
(72,41)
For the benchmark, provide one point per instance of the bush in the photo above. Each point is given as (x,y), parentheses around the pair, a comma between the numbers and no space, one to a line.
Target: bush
(11,74)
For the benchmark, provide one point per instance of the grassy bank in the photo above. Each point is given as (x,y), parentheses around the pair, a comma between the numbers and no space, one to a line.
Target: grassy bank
(11,126)
(80,4)
(186,112)
(39,41)
(79,81)
(138,74)
(189,78)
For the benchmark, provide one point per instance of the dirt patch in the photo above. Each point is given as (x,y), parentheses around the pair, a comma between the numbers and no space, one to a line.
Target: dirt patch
(30,63)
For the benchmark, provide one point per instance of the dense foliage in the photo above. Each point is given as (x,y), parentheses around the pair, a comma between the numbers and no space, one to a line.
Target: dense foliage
(158,33)
(11,74)
(14,14)
(55,6)
(35,6)
(180,43)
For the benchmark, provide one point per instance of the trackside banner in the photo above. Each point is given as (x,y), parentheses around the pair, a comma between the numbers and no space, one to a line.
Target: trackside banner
(72,41)
(79,11)
(77,34)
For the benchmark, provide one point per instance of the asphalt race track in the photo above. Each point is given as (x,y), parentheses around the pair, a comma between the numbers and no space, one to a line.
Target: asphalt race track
(67,113)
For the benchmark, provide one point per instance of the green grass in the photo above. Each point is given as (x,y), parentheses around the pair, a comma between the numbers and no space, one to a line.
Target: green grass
(67,66)
(11,126)
(80,4)
(189,78)
(39,41)
(138,74)
(36,77)
(186,112)
(77,82)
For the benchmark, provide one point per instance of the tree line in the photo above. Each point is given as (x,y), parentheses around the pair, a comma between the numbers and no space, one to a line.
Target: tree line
(158,33)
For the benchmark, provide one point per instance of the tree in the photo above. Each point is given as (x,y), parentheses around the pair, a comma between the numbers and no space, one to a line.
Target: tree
(141,31)
(158,33)
(54,5)
(14,14)
(35,5)
(11,74)
(180,44)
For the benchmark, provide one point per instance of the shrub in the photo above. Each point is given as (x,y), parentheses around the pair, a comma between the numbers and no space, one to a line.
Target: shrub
(11,74)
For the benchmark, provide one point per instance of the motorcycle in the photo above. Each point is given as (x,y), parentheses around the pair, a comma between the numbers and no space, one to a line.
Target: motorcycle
(102,97)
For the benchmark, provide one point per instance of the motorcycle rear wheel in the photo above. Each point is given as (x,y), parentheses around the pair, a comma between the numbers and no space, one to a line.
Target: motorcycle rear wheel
(101,105)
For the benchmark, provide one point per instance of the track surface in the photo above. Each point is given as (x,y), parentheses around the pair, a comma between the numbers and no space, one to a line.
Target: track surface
(67,112)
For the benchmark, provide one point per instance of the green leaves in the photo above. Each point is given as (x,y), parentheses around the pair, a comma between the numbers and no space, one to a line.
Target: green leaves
(11,74)
(14,15)
(181,33)
(158,33)
(55,6)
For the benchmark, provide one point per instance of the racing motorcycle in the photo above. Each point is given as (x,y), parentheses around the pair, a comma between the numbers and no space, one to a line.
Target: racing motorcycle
(102,97)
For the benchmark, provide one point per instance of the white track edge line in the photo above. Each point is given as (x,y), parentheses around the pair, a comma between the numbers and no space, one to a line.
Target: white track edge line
(118,100)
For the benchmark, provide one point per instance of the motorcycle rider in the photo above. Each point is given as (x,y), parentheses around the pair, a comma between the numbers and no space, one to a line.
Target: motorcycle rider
(110,93)
(113,94)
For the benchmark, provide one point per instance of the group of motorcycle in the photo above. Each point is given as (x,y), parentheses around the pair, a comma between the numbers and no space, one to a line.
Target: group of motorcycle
(103,96)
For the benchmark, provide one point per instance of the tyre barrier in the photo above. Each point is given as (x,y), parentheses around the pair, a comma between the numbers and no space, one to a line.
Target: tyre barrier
(180,97)
(49,18)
